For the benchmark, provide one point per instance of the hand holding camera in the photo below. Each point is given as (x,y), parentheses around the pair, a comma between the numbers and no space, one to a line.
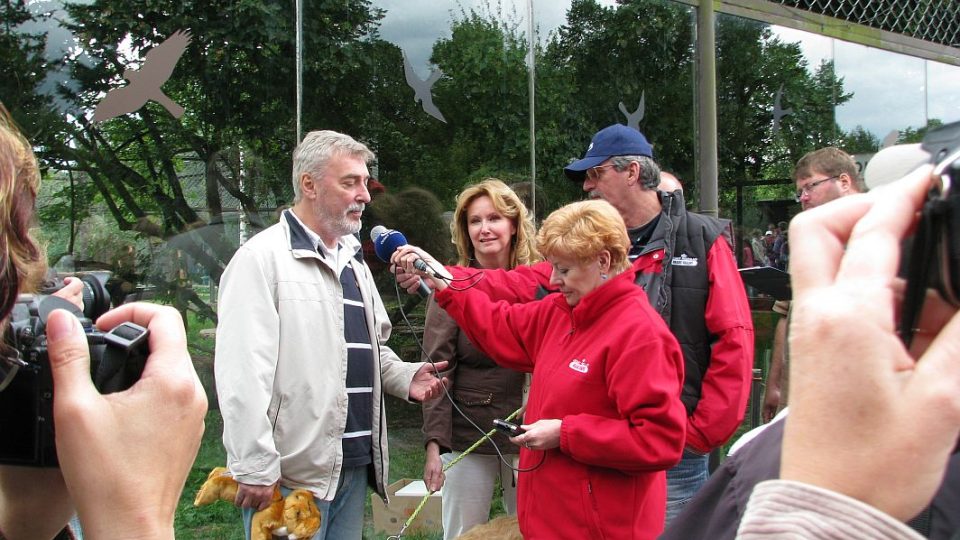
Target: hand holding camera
(154,428)
(124,456)
(860,400)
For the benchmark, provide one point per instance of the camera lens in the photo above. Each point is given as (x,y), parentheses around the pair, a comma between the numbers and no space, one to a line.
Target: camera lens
(96,299)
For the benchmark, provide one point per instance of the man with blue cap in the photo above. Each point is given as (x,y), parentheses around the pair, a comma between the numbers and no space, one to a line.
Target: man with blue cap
(685,263)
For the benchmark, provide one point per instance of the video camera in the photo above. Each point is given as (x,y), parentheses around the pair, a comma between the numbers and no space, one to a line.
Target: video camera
(117,357)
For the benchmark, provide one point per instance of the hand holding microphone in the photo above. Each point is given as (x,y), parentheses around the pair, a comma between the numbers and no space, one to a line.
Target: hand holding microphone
(410,261)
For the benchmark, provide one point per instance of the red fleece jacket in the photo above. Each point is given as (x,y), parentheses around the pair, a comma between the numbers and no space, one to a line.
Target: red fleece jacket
(610,369)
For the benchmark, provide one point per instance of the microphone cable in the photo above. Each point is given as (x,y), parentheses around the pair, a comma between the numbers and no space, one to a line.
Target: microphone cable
(437,373)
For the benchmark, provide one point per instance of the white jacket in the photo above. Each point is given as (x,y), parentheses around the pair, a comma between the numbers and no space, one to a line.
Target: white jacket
(281,363)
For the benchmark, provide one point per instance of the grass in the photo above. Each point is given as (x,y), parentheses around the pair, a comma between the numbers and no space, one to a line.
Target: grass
(218,521)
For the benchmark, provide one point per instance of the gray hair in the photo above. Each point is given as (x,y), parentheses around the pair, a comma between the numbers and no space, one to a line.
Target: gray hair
(649,170)
(316,149)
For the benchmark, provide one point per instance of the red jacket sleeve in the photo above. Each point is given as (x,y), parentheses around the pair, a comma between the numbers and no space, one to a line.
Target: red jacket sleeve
(494,327)
(518,285)
(726,384)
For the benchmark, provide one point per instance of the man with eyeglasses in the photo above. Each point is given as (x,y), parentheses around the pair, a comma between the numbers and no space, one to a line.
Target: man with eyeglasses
(821,176)
(687,267)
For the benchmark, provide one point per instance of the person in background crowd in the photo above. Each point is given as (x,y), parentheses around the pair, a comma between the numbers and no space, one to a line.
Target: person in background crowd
(769,238)
(748,260)
(491,229)
(784,252)
(301,357)
(821,176)
(604,419)
(669,182)
(778,242)
(759,249)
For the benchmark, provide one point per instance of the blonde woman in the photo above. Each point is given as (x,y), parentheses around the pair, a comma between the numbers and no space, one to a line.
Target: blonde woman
(491,228)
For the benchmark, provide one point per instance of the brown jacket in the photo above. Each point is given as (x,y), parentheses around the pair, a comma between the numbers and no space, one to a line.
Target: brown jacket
(480,388)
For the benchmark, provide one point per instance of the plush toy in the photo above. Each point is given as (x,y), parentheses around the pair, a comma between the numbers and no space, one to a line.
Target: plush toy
(295,516)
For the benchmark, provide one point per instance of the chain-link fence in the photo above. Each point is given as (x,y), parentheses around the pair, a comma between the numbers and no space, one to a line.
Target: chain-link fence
(935,21)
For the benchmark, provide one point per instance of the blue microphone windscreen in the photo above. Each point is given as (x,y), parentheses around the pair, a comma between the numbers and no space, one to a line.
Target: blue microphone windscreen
(387,243)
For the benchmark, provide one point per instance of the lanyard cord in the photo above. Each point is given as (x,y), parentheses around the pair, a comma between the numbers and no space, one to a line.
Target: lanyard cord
(446,467)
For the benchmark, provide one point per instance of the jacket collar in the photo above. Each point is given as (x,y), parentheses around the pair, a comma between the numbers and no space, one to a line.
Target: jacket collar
(598,301)
(301,244)
(672,209)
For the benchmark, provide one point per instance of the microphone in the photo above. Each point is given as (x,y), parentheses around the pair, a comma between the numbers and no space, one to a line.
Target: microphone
(386,241)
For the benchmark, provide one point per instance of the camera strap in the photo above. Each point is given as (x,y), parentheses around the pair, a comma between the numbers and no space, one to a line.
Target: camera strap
(123,358)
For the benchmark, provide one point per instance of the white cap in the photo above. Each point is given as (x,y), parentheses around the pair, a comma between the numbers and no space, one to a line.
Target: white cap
(893,163)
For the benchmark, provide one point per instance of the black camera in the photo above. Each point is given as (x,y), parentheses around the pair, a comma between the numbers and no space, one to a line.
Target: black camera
(933,254)
(117,358)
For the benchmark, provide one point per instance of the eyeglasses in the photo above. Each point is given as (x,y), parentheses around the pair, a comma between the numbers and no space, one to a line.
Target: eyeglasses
(594,172)
(808,189)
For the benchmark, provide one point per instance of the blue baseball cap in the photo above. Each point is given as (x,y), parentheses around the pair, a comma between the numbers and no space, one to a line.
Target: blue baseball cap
(615,140)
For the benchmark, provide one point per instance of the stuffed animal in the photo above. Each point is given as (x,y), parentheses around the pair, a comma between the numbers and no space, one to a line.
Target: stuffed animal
(295,516)
(498,528)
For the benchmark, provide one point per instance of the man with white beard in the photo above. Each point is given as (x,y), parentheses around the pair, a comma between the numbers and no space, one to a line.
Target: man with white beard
(301,357)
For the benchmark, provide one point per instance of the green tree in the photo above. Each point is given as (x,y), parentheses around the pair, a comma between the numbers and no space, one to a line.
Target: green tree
(185,183)
(860,141)
(622,54)
(234,81)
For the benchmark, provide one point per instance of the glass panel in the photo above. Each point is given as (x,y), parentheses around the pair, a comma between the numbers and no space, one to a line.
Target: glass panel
(160,192)
(943,92)
(887,91)
(151,134)
(776,94)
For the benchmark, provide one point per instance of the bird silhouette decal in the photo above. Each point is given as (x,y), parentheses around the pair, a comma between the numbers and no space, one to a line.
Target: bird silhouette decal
(778,111)
(634,118)
(145,82)
(422,88)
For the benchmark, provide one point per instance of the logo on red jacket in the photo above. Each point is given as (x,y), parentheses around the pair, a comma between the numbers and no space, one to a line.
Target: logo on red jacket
(580,365)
